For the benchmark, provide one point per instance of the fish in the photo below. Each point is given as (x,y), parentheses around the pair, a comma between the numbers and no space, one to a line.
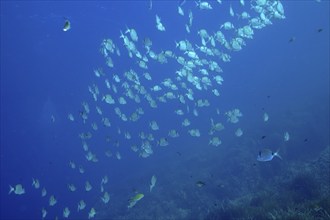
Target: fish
(67,25)
(162,142)
(159,24)
(200,183)
(231,11)
(43,192)
(181,2)
(233,115)
(81,205)
(266,117)
(104,180)
(18,189)
(239,132)
(180,11)
(150,4)
(70,117)
(135,199)
(105,198)
(267,155)
(72,187)
(52,118)
(203,5)
(66,212)
(286,136)
(88,186)
(72,164)
(153,182)
(35,183)
(52,201)
(215,141)
(43,213)
(91,213)
(292,39)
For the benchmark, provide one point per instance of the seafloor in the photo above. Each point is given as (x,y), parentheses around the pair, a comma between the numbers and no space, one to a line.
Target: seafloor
(235,189)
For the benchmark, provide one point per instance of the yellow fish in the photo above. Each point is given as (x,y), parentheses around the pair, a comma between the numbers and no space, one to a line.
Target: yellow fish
(135,199)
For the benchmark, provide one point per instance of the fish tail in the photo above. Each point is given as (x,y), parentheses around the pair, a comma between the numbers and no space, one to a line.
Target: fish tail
(11,189)
(278,155)
(127,30)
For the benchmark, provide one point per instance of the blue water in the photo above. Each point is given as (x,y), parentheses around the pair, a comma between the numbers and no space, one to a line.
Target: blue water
(46,72)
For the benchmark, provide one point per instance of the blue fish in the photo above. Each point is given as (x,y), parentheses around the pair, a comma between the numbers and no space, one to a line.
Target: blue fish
(267,155)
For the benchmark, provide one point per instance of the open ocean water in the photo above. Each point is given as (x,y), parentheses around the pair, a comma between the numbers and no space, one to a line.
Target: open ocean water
(140,112)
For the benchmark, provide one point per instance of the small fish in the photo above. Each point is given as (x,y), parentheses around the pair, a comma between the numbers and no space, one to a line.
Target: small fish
(66,212)
(88,186)
(52,201)
(18,189)
(105,198)
(35,183)
(67,25)
(150,4)
(132,201)
(52,118)
(81,205)
(292,39)
(263,137)
(267,155)
(266,117)
(200,183)
(319,30)
(137,197)
(286,136)
(43,213)
(91,213)
(153,182)
(43,192)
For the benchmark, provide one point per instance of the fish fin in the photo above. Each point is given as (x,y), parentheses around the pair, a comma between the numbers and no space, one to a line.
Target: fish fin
(277,154)
(11,189)
(127,30)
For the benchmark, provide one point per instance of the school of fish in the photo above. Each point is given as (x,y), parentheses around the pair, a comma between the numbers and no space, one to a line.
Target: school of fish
(199,72)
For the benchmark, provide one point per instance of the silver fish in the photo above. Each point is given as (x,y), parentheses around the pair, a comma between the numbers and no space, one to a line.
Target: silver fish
(267,155)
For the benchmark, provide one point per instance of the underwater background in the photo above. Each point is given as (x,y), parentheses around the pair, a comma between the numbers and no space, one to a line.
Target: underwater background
(45,74)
